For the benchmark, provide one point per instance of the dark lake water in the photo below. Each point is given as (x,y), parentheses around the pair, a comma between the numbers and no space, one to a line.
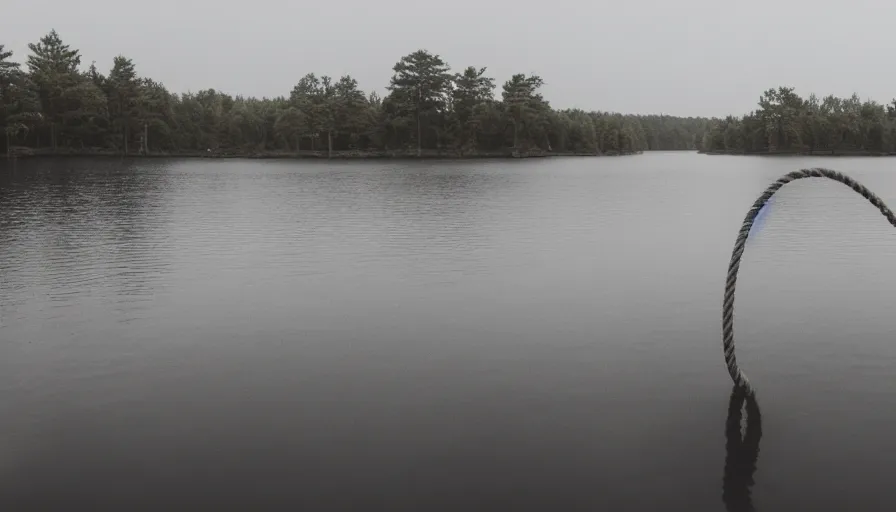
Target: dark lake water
(502,335)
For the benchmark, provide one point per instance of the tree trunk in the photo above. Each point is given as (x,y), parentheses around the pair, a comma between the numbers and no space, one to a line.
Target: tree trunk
(329,145)
(53,136)
(419,141)
(145,139)
(8,145)
(125,140)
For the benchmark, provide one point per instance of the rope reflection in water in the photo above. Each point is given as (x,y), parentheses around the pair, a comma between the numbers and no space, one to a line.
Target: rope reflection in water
(741,451)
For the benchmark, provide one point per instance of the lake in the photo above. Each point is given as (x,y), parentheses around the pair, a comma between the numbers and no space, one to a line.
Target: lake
(442,335)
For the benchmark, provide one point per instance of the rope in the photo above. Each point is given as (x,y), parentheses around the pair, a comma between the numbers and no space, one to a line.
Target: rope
(740,380)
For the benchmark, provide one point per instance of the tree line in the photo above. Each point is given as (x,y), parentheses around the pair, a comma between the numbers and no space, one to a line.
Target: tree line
(52,105)
(786,122)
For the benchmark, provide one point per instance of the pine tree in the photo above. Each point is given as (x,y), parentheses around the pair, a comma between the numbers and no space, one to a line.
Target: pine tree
(421,83)
(53,66)
(123,91)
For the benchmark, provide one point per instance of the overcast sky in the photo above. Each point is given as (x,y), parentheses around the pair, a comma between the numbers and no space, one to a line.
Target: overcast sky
(682,57)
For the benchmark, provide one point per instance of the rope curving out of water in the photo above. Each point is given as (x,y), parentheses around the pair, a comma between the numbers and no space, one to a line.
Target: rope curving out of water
(740,380)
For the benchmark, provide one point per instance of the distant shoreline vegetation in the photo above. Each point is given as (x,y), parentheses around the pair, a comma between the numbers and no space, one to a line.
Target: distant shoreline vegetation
(786,124)
(50,106)
(307,154)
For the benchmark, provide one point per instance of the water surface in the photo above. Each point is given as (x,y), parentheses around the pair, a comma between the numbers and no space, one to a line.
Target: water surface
(457,335)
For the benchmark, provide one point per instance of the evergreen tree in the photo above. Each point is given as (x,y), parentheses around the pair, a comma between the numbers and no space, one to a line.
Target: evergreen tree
(123,91)
(19,105)
(53,66)
(419,88)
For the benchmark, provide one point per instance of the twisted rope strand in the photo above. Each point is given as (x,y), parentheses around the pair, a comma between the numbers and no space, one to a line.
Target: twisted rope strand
(738,376)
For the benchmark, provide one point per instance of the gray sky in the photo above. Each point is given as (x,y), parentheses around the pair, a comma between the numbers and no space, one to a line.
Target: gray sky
(682,57)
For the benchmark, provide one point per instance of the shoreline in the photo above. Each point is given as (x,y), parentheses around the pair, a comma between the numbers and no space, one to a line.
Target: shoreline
(316,155)
(826,152)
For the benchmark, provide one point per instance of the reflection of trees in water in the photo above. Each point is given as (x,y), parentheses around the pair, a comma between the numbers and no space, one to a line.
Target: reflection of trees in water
(451,188)
(403,213)
(138,251)
(741,451)
(460,204)
(74,224)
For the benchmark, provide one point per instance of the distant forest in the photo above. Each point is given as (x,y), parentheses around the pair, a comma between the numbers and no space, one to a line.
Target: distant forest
(787,123)
(53,105)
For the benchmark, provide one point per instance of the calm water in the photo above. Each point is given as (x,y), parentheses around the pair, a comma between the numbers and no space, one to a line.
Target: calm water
(532,335)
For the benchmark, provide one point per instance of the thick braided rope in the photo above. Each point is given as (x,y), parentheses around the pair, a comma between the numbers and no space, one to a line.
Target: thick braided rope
(740,380)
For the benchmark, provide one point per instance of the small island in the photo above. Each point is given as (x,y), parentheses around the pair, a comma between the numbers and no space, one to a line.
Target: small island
(51,106)
(786,124)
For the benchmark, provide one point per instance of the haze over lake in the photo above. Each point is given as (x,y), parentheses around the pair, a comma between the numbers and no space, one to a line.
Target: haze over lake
(539,334)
